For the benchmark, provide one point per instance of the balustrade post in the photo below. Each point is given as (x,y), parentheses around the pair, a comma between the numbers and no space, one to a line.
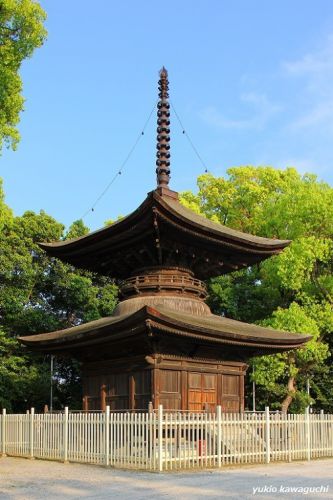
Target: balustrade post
(322,433)
(65,435)
(160,438)
(32,422)
(308,433)
(289,427)
(219,434)
(330,417)
(107,436)
(3,432)
(268,435)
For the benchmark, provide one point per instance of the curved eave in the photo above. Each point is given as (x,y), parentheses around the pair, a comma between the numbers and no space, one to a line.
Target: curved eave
(131,230)
(208,329)
(200,225)
(227,331)
(93,332)
(98,238)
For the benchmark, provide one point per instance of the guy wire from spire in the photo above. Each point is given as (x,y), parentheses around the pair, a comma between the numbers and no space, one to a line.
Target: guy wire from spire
(163,131)
(131,151)
(189,139)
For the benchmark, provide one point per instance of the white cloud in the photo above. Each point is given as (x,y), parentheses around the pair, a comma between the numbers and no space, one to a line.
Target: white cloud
(316,164)
(319,114)
(295,122)
(316,63)
(302,165)
(316,68)
(260,112)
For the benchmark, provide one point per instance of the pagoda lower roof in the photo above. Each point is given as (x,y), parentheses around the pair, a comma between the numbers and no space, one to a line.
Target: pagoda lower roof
(161,232)
(158,321)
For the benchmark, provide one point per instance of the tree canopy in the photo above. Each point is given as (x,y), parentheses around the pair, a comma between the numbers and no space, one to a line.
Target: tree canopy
(292,291)
(21,32)
(38,294)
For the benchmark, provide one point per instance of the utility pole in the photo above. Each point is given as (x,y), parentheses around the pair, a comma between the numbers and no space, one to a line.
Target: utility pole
(308,389)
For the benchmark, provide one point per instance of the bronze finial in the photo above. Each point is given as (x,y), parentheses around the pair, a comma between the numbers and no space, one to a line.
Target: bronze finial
(163,131)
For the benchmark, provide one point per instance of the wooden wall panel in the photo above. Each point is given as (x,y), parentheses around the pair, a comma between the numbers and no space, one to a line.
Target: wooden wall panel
(142,389)
(170,389)
(117,391)
(184,391)
(231,385)
(176,384)
(91,392)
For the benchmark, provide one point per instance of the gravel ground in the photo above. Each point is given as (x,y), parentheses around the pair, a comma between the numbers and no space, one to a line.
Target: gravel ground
(22,479)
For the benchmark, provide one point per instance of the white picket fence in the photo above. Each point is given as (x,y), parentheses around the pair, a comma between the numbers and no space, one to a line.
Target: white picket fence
(167,440)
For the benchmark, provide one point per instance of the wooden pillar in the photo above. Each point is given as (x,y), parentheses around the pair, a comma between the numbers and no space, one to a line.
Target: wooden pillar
(219,390)
(103,396)
(155,387)
(85,403)
(131,393)
(241,392)
(152,386)
(85,391)
(184,390)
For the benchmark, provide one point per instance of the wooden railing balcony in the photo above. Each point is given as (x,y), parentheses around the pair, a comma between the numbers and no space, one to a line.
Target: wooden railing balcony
(159,283)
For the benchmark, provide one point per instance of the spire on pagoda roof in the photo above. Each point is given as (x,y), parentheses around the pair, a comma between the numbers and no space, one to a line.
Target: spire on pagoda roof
(163,131)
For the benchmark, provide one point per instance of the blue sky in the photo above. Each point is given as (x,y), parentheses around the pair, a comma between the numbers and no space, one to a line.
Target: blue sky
(251,81)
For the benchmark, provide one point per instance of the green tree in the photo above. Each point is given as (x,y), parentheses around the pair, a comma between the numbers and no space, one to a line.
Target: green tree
(77,229)
(5,212)
(24,379)
(38,294)
(21,32)
(292,291)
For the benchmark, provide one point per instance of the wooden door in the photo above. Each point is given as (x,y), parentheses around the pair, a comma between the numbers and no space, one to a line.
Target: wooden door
(202,391)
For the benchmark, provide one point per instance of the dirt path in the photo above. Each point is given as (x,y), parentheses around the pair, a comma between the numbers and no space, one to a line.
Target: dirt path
(22,479)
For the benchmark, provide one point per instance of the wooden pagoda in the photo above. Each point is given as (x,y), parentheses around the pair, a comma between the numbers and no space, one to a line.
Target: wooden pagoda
(162,344)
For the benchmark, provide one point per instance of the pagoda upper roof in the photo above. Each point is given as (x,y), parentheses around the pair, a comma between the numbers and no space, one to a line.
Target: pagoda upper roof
(161,231)
(158,321)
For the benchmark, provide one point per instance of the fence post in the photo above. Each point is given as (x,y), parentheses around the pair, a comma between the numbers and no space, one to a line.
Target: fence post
(288,423)
(268,435)
(308,433)
(160,437)
(107,436)
(32,415)
(219,434)
(330,417)
(323,443)
(65,435)
(3,432)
